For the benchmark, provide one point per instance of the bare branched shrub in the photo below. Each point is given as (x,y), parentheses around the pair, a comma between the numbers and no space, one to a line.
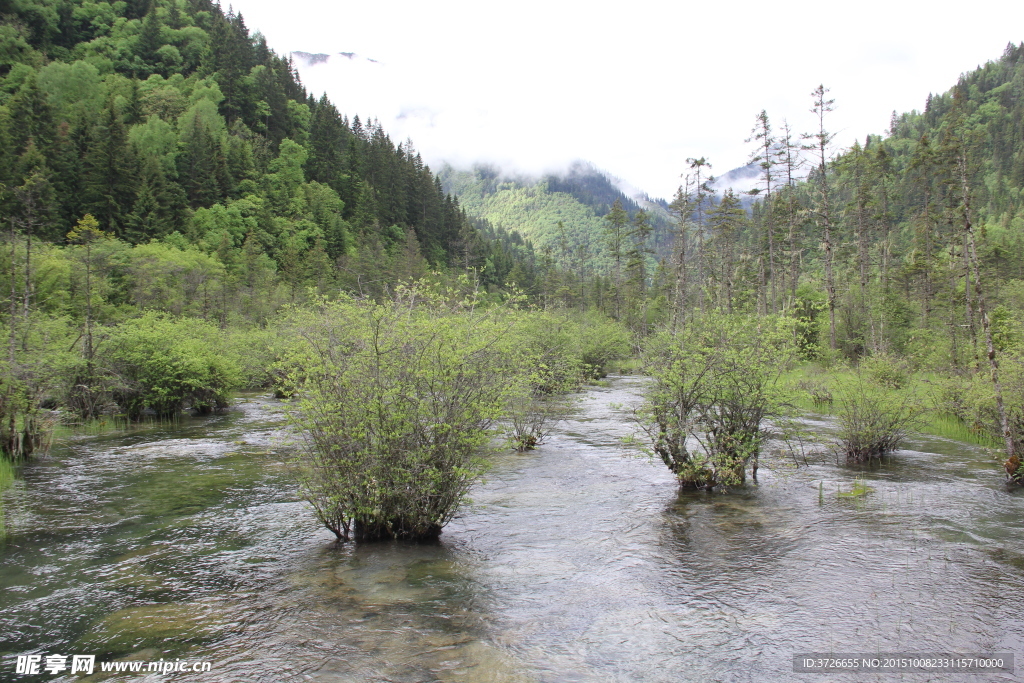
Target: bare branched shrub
(529,419)
(873,421)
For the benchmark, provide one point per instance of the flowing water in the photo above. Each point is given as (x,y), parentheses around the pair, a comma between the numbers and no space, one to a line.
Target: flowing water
(573,562)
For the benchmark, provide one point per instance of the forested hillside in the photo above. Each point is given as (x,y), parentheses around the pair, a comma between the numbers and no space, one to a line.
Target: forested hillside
(562,213)
(889,218)
(168,120)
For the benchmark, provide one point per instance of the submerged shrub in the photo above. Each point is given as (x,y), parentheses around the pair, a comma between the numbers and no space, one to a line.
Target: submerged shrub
(715,385)
(30,382)
(25,429)
(396,401)
(873,421)
(529,418)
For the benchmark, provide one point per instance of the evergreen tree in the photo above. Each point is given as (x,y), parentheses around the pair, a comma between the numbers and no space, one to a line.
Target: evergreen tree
(821,145)
(615,241)
(766,157)
(109,172)
(726,220)
(700,181)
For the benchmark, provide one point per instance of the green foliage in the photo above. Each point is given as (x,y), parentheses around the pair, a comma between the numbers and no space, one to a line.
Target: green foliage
(715,384)
(886,370)
(873,421)
(182,282)
(553,366)
(601,340)
(810,322)
(971,400)
(397,398)
(256,350)
(167,364)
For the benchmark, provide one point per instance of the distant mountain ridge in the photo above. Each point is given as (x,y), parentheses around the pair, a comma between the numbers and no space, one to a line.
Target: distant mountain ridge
(558,211)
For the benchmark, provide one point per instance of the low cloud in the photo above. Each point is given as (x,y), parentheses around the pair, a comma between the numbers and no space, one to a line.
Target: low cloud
(634,92)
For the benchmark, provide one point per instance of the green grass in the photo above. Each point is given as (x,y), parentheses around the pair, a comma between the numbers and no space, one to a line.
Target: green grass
(93,427)
(920,386)
(111,423)
(6,477)
(859,490)
(952,427)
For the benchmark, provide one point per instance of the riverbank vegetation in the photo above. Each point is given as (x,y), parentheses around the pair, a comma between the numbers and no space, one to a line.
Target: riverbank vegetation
(183,219)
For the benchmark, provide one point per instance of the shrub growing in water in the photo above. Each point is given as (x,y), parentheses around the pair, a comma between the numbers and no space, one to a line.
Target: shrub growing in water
(168,364)
(873,421)
(396,400)
(552,345)
(715,384)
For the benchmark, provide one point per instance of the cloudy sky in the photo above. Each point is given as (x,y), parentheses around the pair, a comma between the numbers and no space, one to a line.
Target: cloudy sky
(634,88)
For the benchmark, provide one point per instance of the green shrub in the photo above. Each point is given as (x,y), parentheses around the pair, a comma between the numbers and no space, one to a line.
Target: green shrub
(257,351)
(873,421)
(886,370)
(396,401)
(601,340)
(715,385)
(167,364)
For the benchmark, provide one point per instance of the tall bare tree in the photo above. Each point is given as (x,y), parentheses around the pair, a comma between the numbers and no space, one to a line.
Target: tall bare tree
(766,156)
(702,192)
(821,145)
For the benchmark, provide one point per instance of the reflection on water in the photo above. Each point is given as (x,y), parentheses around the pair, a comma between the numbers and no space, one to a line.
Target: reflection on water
(572,563)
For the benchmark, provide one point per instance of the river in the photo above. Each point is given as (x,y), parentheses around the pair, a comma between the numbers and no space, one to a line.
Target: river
(573,562)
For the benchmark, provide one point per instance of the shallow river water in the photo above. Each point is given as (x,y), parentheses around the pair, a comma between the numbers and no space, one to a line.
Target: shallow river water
(573,562)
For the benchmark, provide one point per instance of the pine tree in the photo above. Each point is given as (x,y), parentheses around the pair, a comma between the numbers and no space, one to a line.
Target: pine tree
(681,207)
(726,220)
(791,162)
(766,157)
(637,267)
(201,163)
(109,187)
(615,241)
(821,145)
(701,182)
(150,40)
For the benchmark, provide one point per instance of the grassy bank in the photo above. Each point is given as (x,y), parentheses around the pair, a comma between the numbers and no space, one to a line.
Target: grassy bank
(812,390)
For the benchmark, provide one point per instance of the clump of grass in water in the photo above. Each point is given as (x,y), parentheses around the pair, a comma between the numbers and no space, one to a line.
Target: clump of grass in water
(859,490)
(114,423)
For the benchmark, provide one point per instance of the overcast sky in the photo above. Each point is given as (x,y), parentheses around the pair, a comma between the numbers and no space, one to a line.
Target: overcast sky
(634,88)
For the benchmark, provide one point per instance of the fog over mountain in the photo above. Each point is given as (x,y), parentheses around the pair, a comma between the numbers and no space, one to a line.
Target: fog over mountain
(636,92)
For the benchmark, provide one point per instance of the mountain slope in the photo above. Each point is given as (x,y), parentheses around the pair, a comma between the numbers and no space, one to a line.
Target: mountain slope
(560,212)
